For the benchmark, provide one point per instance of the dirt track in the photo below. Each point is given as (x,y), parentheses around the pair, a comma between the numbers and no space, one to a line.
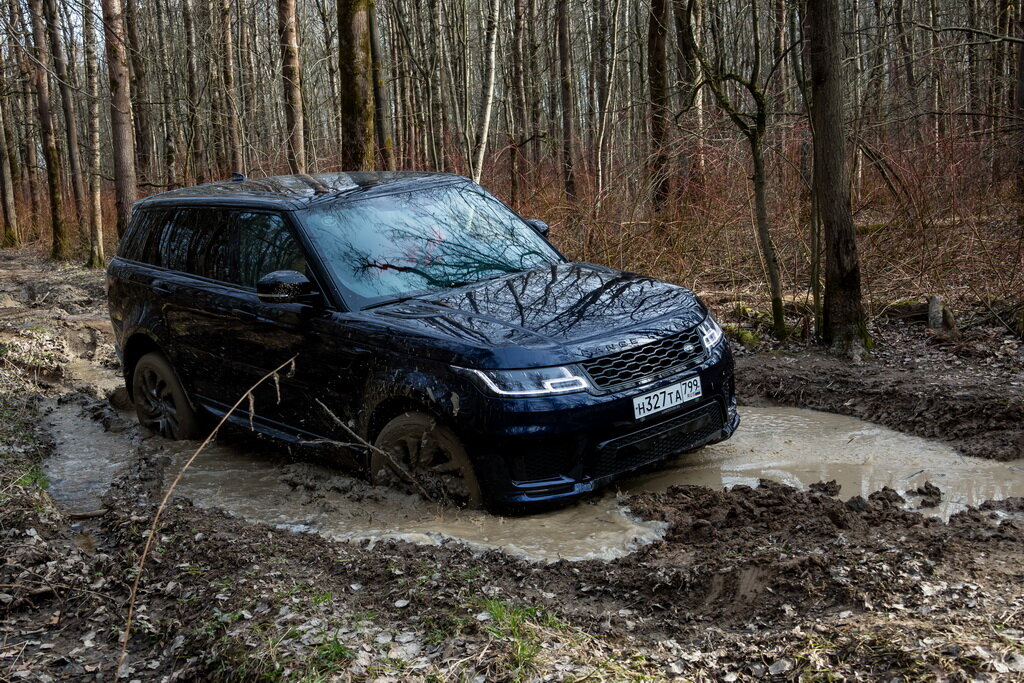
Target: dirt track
(749,582)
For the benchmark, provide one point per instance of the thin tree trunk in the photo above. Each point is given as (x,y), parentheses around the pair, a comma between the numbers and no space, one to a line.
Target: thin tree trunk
(844,324)
(381,127)
(291,74)
(355,68)
(61,246)
(92,84)
(11,235)
(568,110)
(195,155)
(764,236)
(121,129)
(140,108)
(231,113)
(657,75)
(1018,110)
(60,66)
(487,94)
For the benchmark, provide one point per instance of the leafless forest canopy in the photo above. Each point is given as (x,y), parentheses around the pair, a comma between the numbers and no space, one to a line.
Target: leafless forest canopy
(670,136)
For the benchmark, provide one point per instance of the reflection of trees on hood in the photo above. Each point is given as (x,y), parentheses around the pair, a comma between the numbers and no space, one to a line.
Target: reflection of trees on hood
(556,299)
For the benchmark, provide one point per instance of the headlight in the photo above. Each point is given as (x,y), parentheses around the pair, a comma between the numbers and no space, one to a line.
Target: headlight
(530,382)
(710,332)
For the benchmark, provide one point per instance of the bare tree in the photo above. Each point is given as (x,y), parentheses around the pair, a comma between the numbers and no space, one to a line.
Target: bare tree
(291,75)
(121,129)
(60,67)
(228,74)
(61,244)
(355,67)
(92,84)
(657,77)
(567,104)
(11,235)
(487,94)
(844,324)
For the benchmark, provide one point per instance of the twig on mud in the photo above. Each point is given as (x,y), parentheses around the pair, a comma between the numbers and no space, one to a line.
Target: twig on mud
(366,444)
(163,503)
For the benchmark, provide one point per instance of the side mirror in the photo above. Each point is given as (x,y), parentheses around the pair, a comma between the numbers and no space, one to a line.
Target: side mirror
(540,226)
(284,287)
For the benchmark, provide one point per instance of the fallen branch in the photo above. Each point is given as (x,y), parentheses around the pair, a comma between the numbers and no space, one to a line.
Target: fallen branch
(399,467)
(163,503)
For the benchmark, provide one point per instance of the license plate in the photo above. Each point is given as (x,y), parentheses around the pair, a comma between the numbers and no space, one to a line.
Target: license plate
(667,397)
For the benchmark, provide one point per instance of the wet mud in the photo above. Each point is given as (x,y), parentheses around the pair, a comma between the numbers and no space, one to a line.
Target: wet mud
(92,445)
(811,545)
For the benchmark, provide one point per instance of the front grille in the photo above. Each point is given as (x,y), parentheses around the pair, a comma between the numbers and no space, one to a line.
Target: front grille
(648,362)
(659,442)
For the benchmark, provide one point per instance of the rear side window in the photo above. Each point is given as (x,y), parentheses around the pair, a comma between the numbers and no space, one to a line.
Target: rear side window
(190,244)
(141,240)
(265,244)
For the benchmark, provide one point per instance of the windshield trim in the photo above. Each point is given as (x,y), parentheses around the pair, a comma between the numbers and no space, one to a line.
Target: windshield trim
(356,302)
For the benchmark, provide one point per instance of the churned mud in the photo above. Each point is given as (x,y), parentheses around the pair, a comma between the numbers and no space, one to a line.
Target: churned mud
(812,544)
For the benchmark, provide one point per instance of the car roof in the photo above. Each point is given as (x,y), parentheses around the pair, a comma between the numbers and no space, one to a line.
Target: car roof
(294,192)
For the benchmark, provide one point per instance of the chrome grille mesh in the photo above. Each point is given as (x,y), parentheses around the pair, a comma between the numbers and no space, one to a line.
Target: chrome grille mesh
(647,362)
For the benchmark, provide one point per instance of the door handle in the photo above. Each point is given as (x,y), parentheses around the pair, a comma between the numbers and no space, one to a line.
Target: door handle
(160,286)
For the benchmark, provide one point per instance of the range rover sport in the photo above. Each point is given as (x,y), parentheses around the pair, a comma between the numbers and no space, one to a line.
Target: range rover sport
(471,359)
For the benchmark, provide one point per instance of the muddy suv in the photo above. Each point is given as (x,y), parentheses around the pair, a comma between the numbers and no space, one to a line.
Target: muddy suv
(435,333)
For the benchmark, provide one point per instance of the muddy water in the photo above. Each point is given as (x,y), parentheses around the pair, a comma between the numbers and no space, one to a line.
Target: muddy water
(796,447)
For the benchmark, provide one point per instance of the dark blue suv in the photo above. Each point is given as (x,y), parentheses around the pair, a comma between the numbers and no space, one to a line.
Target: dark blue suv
(436,335)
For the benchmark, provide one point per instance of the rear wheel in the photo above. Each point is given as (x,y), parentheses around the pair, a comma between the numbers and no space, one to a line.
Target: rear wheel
(160,401)
(416,453)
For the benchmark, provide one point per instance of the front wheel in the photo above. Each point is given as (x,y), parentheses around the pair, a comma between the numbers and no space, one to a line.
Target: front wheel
(417,454)
(160,401)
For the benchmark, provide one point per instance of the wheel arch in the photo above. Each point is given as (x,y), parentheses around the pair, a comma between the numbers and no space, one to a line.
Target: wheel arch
(136,346)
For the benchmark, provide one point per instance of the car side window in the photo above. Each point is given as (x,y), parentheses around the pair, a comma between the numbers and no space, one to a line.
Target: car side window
(142,239)
(265,244)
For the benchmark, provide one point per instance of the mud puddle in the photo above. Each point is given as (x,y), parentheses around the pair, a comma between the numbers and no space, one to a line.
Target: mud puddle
(793,446)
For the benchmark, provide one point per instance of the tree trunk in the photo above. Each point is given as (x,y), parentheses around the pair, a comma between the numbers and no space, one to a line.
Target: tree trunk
(11,235)
(385,145)
(121,130)
(568,110)
(60,65)
(487,94)
(195,155)
(764,236)
(291,73)
(96,256)
(1018,111)
(230,98)
(844,324)
(61,247)
(355,66)
(137,86)
(657,76)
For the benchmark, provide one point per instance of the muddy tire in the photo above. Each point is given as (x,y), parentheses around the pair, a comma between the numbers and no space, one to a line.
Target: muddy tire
(160,401)
(425,457)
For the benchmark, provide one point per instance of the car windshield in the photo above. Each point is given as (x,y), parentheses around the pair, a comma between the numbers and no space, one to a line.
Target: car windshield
(398,245)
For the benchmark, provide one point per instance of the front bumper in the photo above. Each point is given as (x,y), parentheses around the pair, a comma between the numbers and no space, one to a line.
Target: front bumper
(534,452)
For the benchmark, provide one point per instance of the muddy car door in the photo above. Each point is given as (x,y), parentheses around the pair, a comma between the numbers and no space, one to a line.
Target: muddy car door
(272,333)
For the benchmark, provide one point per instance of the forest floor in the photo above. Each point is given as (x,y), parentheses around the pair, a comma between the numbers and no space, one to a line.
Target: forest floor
(749,582)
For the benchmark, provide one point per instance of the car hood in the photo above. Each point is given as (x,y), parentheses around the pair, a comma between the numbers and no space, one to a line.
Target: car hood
(552,315)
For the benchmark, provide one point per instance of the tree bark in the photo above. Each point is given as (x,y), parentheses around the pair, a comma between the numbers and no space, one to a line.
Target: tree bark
(61,245)
(11,235)
(137,86)
(381,127)
(566,96)
(121,127)
(96,255)
(487,94)
(355,67)
(657,77)
(60,66)
(291,74)
(231,113)
(844,324)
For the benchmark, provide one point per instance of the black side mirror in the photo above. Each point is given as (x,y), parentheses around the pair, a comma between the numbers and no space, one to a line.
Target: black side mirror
(540,226)
(284,287)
